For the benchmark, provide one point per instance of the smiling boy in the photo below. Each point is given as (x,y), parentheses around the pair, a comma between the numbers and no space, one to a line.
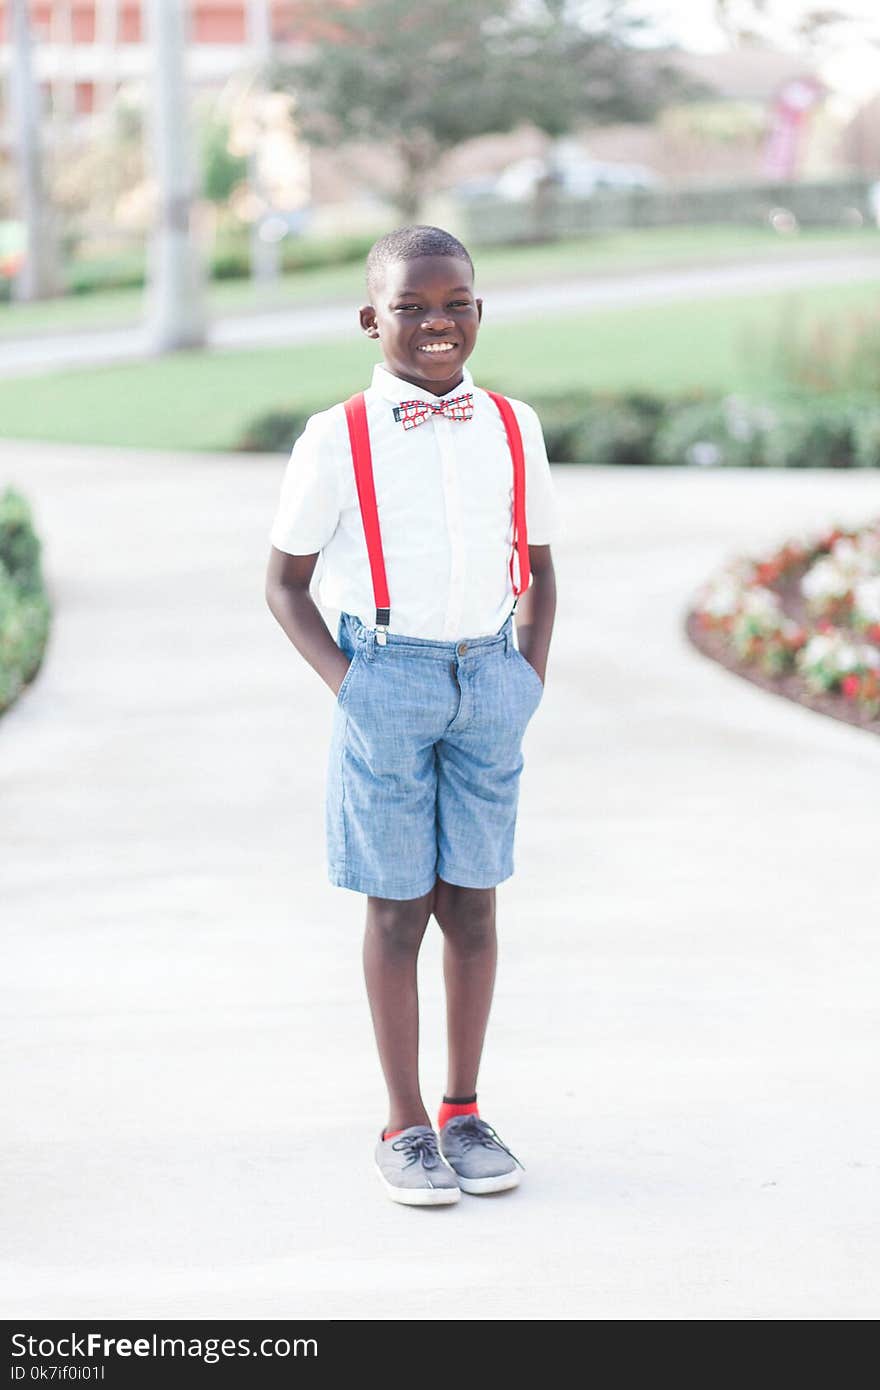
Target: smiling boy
(430,504)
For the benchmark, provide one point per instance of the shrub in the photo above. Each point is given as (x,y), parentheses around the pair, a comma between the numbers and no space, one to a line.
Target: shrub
(809,435)
(616,430)
(638,428)
(24,606)
(110,273)
(231,258)
(272,433)
(19,545)
(707,433)
(866,439)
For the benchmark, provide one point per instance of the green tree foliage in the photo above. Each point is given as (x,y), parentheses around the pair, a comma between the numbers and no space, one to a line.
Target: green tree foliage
(422,79)
(220,169)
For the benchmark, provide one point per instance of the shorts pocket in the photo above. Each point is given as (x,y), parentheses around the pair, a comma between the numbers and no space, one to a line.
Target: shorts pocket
(530,669)
(342,692)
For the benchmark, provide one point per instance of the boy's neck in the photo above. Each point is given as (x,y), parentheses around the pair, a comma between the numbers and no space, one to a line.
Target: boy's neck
(435,388)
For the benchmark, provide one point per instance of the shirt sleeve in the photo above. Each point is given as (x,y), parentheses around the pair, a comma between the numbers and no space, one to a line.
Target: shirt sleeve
(308,508)
(543,518)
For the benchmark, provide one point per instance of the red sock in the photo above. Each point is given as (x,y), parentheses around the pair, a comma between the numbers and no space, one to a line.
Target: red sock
(456,1105)
(391,1133)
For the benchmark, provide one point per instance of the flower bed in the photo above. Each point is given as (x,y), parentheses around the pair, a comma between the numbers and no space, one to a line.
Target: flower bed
(804,621)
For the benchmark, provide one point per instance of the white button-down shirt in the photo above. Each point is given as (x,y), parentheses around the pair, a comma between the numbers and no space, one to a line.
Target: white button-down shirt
(444,493)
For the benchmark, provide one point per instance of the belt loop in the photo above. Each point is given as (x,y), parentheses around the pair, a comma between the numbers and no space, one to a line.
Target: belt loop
(508,635)
(369,643)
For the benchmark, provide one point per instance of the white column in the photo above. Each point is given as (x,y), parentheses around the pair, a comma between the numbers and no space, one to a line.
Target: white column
(37,278)
(176,307)
(265,257)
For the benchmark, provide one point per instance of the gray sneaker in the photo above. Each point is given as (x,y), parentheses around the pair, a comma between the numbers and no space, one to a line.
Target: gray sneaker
(413,1171)
(481,1161)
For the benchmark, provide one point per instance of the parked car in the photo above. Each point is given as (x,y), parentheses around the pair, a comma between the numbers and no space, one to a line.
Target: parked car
(579,178)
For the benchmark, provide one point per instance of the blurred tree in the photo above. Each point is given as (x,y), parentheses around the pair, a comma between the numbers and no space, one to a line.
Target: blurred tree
(422,79)
(221,169)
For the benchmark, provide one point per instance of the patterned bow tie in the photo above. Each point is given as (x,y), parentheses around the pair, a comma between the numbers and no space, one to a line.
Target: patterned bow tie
(412,413)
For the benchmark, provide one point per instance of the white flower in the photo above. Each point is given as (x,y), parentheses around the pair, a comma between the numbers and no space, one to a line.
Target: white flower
(703,453)
(825,580)
(817,649)
(867,596)
(759,603)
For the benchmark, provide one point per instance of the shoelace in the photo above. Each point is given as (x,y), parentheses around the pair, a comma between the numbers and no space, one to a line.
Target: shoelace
(472,1130)
(419,1148)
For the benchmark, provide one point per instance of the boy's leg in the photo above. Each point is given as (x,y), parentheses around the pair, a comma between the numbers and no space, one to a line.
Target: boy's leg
(466,917)
(393,935)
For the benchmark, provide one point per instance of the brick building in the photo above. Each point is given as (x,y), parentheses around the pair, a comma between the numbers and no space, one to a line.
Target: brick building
(84,49)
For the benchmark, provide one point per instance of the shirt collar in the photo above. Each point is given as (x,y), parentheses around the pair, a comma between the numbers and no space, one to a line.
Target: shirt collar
(394,388)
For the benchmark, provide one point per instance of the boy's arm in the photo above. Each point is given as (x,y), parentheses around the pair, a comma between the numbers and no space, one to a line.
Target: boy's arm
(287,594)
(536,610)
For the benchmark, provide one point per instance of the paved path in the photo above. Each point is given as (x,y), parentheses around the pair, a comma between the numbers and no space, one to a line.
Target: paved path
(287,327)
(684,1042)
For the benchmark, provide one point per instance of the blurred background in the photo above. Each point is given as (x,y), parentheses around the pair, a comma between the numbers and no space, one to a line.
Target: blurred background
(681,200)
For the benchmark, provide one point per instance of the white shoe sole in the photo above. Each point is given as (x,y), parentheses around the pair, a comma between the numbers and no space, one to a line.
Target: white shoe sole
(478,1186)
(420,1196)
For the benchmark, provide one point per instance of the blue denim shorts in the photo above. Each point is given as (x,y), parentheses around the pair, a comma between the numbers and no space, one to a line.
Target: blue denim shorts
(425,761)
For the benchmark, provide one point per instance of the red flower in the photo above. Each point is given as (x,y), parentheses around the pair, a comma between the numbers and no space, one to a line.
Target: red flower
(851,685)
(874,632)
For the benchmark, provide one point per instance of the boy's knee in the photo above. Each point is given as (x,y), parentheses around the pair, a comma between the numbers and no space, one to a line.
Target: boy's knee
(399,924)
(466,916)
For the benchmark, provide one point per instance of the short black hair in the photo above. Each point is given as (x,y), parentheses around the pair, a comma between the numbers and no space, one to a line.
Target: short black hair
(407,244)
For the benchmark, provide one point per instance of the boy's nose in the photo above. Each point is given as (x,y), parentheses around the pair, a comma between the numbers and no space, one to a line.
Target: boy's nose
(436,321)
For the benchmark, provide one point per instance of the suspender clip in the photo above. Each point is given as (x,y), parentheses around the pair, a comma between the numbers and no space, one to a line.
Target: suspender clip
(380,636)
(383,618)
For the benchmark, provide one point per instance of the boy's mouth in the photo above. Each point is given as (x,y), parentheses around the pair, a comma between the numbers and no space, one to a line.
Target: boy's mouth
(439,348)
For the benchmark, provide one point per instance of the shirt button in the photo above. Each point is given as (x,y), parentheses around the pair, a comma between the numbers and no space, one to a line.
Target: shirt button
(462,648)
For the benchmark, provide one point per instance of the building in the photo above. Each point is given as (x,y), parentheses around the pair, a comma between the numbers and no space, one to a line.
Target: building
(84,49)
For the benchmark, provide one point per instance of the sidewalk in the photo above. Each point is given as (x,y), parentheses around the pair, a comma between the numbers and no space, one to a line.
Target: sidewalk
(683,1049)
(23,356)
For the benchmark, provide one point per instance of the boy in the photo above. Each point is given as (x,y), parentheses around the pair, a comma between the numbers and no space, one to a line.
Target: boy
(432,693)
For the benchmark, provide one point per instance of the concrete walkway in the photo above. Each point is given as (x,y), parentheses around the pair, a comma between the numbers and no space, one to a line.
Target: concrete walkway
(288,327)
(684,1044)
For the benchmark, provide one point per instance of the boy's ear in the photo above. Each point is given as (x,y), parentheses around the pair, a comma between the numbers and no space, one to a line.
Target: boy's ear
(479,304)
(367,316)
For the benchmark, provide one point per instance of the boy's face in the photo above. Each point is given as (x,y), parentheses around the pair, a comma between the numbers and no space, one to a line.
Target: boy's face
(425,319)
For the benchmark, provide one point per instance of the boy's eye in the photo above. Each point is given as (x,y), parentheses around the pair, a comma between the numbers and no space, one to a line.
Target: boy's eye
(455,304)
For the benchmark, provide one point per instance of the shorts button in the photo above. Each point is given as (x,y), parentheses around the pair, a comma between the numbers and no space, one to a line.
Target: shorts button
(462,648)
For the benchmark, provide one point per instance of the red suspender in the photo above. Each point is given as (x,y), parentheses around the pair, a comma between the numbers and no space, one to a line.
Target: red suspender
(358,433)
(520,538)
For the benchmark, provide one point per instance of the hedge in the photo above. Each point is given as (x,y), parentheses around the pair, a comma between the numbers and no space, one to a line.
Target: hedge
(230,259)
(794,431)
(24,605)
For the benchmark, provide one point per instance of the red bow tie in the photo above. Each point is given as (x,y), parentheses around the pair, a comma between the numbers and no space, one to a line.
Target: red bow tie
(412,413)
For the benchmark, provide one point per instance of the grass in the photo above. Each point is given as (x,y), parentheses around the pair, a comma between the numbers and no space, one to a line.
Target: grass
(202,401)
(614,253)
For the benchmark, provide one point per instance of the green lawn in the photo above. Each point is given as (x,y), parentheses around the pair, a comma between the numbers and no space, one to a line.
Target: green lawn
(202,401)
(614,253)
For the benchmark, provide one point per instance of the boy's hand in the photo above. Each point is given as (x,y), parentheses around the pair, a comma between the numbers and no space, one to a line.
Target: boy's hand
(287,594)
(336,688)
(536,610)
